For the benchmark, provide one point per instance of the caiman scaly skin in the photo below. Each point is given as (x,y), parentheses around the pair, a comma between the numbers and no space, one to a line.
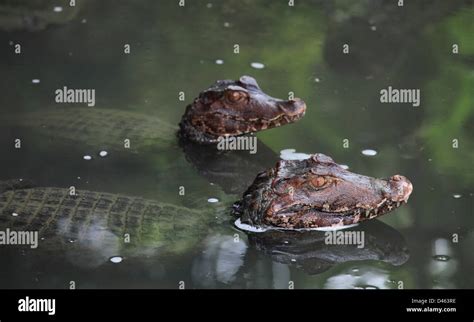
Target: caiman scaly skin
(232,108)
(88,215)
(317,192)
(99,127)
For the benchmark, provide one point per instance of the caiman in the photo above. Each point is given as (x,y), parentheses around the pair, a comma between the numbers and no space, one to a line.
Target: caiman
(318,192)
(227,108)
(62,219)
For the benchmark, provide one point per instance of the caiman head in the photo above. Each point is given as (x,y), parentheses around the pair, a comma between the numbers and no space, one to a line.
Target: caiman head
(232,108)
(317,192)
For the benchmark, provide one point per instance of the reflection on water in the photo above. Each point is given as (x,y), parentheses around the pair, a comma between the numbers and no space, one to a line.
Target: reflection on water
(426,244)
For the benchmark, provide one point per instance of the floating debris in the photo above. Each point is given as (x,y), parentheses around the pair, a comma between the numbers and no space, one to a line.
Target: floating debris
(257,65)
(87,157)
(14,214)
(58,9)
(116,259)
(369,152)
(212,200)
(35,81)
(219,61)
(441,258)
(457,196)
(103,154)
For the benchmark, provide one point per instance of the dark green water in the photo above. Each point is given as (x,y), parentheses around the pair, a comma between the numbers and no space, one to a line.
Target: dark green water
(426,244)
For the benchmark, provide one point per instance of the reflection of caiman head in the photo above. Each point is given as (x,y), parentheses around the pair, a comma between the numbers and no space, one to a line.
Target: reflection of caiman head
(231,108)
(317,192)
(309,251)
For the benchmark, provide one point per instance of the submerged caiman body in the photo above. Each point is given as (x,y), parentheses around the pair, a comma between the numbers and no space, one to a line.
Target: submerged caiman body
(61,218)
(317,192)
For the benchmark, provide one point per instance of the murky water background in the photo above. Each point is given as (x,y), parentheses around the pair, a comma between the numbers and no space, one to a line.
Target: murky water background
(425,244)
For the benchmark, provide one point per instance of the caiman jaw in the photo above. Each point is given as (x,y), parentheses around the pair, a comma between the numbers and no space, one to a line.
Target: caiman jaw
(318,193)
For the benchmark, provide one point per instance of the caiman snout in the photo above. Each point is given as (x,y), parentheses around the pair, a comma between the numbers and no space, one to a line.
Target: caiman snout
(294,108)
(401,188)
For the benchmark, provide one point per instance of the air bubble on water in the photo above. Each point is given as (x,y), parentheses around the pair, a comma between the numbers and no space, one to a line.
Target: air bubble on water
(116,259)
(84,20)
(293,260)
(10,43)
(369,287)
(14,214)
(35,81)
(212,200)
(344,166)
(257,65)
(103,154)
(58,9)
(457,196)
(78,178)
(441,258)
(317,80)
(219,61)
(72,241)
(373,28)
(355,270)
(429,160)
(286,242)
(209,5)
(369,152)
(226,24)
(87,157)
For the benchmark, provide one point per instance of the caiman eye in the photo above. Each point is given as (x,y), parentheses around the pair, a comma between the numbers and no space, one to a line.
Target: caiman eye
(235,96)
(318,182)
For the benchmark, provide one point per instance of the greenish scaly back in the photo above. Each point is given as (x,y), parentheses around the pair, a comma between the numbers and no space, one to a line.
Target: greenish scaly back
(91,216)
(101,128)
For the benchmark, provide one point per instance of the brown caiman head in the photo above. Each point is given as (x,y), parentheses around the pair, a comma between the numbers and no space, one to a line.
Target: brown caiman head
(231,108)
(317,192)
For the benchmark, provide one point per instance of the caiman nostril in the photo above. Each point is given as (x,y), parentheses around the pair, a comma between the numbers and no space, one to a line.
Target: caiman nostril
(403,187)
(295,106)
